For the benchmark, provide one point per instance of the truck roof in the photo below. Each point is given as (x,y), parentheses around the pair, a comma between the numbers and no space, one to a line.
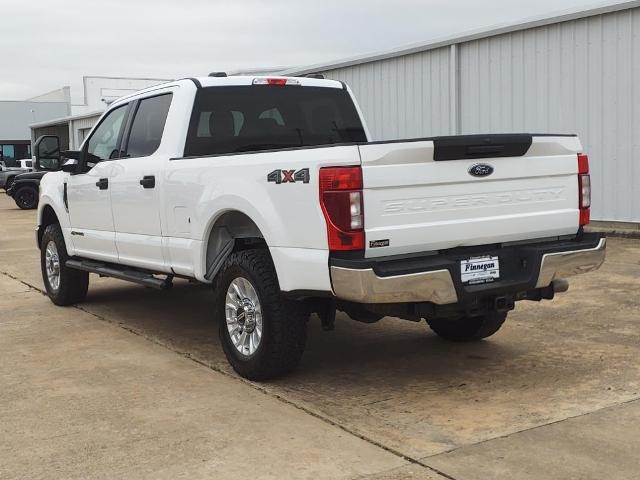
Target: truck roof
(249,79)
(231,81)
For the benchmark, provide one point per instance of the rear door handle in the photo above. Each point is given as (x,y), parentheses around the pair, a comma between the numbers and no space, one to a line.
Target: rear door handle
(148,181)
(103,183)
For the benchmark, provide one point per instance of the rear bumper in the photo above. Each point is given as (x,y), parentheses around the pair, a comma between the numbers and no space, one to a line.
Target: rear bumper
(436,278)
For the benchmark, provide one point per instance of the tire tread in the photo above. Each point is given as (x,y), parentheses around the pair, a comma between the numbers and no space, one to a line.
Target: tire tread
(16,195)
(285,335)
(74,284)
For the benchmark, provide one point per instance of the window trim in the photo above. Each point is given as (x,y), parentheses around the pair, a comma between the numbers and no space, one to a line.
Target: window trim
(135,105)
(85,145)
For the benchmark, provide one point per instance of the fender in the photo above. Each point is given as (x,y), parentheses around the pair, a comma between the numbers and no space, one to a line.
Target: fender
(52,195)
(19,181)
(229,203)
(226,204)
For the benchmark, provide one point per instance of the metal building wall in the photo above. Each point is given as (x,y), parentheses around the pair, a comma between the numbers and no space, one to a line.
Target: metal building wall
(15,116)
(80,124)
(405,96)
(582,77)
(579,76)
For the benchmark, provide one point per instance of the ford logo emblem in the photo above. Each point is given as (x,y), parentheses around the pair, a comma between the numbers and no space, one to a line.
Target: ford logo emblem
(481,170)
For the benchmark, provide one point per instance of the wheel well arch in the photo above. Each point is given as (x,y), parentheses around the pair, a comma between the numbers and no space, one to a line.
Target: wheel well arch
(47,218)
(231,231)
(25,183)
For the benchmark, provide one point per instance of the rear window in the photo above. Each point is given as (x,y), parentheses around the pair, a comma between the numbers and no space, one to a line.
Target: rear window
(263,117)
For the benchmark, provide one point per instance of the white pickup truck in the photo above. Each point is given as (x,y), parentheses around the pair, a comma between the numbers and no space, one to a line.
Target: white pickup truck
(271,190)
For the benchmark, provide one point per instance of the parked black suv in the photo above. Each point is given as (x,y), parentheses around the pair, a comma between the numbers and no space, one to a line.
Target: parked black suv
(25,188)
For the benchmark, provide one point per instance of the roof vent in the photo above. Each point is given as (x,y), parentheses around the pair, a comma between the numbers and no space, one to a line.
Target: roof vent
(315,75)
(218,74)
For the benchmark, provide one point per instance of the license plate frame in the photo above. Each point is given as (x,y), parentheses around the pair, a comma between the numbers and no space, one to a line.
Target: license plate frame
(478,270)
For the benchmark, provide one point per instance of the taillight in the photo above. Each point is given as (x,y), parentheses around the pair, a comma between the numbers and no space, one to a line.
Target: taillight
(341,202)
(584,189)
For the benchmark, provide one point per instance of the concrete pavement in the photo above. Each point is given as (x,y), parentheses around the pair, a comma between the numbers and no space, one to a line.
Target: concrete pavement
(84,399)
(387,400)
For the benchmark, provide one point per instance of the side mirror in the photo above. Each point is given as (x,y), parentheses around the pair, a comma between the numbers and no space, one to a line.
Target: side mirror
(47,153)
(70,161)
(70,166)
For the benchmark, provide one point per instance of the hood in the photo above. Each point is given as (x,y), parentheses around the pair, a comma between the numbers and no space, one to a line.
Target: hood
(30,176)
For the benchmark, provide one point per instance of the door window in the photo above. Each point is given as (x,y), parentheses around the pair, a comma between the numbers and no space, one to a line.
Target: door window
(103,143)
(148,126)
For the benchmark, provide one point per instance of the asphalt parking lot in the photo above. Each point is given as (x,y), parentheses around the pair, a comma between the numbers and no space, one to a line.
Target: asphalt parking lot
(133,384)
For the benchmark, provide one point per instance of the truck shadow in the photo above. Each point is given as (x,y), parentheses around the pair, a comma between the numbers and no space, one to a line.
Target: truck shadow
(398,382)
(389,351)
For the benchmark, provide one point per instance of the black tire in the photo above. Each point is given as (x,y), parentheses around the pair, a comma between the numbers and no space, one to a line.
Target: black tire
(26,197)
(284,321)
(73,284)
(9,182)
(466,329)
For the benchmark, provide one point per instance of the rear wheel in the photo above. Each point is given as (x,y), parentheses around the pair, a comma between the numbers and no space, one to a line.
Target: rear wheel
(263,334)
(9,182)
(26,197)
(65,286)
(465,329)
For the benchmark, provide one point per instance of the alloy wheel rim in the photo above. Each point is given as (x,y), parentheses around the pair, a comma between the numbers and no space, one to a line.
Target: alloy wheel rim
(26,198)
(52,265)
(243,314)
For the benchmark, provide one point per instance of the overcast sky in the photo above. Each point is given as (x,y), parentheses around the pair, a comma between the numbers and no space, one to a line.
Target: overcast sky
(45,44)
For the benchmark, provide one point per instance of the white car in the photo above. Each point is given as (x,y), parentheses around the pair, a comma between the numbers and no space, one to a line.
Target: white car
(271,190)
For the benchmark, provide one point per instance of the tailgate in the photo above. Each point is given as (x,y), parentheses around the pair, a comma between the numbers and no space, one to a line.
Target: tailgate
(421,195)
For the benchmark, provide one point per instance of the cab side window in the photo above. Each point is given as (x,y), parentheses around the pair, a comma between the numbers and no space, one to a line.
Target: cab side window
(103,143)
(148,126)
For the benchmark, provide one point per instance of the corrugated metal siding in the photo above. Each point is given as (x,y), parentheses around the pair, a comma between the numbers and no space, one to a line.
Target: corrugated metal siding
(580,76)
(87,122)
(79,124)
(15,117)
(402,97)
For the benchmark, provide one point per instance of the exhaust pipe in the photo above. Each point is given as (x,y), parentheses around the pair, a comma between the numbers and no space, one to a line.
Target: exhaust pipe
(503,304)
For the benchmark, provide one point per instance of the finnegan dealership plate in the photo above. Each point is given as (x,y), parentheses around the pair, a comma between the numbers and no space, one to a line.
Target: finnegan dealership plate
(480,269)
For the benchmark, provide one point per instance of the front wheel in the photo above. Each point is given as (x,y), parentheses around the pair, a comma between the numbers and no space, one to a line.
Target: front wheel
(465,329)
(64,285)
(9,182)
(263,334)
(26,198)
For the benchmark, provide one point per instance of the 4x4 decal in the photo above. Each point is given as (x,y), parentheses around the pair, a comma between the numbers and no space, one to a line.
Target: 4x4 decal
(289,176)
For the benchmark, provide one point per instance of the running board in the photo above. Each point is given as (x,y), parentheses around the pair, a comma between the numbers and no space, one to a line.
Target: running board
(123,273)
